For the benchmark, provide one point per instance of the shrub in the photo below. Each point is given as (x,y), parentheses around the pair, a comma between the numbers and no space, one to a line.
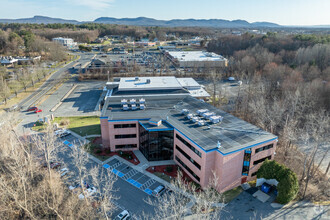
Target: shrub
(169,169)
(98,151)
(288,185)
(64,122)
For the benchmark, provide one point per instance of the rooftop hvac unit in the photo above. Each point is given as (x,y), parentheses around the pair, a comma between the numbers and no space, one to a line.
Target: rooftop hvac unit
(125,107)
(215,119)
(207,115)
(148,81)
(190,116)
(133,107)
(123,101)
(184,111)
(142,101)
(136,78)
(201,111)
(132,101)
(142,106)
(201,123)
(195,119)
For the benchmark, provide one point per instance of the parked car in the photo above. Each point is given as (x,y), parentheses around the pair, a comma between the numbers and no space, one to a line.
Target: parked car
(34,108)
(62,132)
(38,110)
(158,191)
(88,192)
(123,215)
(52,164)
(64,171)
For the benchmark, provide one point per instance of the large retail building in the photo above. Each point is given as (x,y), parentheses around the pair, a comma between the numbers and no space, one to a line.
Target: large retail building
(165,119)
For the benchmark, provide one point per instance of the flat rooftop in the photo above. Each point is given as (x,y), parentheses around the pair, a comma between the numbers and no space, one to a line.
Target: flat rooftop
(196,56)
(232,133)
(148,83)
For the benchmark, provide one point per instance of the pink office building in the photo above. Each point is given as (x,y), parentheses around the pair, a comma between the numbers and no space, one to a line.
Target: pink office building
(165,119)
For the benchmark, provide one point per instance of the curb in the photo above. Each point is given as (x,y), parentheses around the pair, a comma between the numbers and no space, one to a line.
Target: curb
(63,98)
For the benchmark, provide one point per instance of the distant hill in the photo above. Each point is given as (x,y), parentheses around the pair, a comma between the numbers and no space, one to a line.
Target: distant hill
(39,20)
(220,23)
(143,21)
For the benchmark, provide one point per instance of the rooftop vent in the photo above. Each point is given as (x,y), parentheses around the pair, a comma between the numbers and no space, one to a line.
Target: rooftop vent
(125,107)
(201,122)
(123,101)
(207,115)
(148,81)
(216,119)
(195,119)
(218,144)
(136,79)
(184,111)
(201,111)
(133,107)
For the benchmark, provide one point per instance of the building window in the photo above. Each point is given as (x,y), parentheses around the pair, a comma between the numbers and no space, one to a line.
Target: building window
(262,160)
(125,126)
(122,136)
(188,169)
(188,145)
(246,162)
(188,157)
(121,146)
(264,148)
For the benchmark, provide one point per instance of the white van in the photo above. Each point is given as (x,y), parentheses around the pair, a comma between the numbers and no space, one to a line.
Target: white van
(123,215)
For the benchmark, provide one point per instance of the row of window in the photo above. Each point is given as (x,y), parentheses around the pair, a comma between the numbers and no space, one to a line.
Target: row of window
(264,148)
(189,145)
(188,157)
(125,126)
(262,160)
(121,146)
(188,169)
(122,136)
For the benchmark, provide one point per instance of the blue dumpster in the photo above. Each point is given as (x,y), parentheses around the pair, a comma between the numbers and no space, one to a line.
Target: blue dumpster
(265,187)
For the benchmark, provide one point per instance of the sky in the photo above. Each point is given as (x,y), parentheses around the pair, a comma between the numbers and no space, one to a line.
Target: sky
(283,12)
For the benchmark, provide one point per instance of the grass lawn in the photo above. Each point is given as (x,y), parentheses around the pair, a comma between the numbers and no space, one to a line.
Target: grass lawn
(86,125)
(231,194)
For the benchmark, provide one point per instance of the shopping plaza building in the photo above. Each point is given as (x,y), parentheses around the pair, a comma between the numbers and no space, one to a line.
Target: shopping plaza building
(166,118)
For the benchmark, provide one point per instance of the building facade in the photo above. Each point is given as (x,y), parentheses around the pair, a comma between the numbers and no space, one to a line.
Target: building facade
(165,122)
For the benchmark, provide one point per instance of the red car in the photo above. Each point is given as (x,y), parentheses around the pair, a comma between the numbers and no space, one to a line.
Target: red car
(38,110)
(34,108)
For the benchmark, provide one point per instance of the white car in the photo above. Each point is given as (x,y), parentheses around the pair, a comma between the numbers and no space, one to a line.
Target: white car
(123,215)
(89,192)
(62,133)
(64,171)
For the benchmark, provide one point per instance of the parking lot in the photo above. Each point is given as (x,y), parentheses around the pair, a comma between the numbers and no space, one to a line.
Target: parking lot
(82,100)
(132,188)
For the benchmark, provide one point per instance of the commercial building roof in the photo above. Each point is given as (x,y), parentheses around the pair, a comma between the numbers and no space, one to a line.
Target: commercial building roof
(148,83)
(196,56)
(228,136)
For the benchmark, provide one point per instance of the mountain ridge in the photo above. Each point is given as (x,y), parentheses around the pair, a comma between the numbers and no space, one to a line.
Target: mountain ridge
(144,21)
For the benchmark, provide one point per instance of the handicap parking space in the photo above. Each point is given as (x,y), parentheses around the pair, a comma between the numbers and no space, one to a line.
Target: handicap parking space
(132,176)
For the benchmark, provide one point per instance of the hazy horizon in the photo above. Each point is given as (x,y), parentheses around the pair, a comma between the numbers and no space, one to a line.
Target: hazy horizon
(295,12)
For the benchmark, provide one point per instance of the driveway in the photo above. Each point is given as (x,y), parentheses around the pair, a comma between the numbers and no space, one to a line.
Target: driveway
(245,206)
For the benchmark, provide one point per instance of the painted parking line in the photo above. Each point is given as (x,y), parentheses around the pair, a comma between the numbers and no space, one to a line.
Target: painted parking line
(106,166)
(131,181)
(148,191)
(134,183)
(118,173)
